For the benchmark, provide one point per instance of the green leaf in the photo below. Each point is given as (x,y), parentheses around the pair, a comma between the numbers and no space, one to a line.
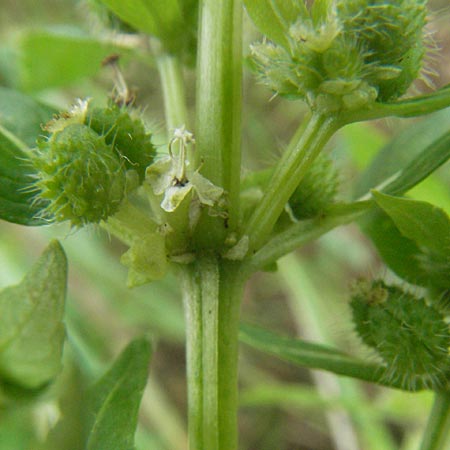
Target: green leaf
(398,252)
(22,115)
(20,124)
(159,18)
(32,332)
(274,17)
(16,201)
(50,59)
(315,356)
(115,399)
(423,223)
(416,140)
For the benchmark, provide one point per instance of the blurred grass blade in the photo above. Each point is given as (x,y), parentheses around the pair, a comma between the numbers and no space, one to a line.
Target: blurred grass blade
(424,164)
(402,150)
(115,399)
(32,333)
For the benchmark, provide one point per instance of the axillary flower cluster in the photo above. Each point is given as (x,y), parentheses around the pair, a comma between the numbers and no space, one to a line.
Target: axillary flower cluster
(344,54)
(99,166)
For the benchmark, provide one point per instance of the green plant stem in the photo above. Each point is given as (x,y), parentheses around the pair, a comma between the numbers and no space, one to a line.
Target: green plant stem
(412,107)
(193,316)
(171,75)
(300,154)
(437,432)
(303,232)
(209,291)
(212,296)
(218,121)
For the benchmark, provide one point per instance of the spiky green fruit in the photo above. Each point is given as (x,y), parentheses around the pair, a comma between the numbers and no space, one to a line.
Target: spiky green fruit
(411,336)
(317,190)
(126,134)
(346,54)
(80,176)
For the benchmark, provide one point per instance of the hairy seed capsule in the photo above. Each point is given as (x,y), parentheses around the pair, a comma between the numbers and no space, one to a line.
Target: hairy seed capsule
(411,337)
(317,190)
(346,54)
(80,175)
(126,134)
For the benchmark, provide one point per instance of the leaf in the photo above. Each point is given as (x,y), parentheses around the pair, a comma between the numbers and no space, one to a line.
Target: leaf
(315,356)
(115,399)
(32,330)
(159,18)
(274,17)
(423,223)
(22,115)
(16,202)
(398,252)
(51,59)
(416,140)
(146,260)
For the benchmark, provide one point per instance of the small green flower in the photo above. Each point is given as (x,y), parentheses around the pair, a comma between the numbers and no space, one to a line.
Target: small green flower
(173,178)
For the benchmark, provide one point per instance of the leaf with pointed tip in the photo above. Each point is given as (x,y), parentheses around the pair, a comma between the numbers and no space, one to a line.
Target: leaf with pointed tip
(32,330)
(274,17)
(422,222)
(115,399)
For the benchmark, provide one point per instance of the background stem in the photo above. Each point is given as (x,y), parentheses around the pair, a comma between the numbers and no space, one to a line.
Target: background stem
(171,76)
(437,432)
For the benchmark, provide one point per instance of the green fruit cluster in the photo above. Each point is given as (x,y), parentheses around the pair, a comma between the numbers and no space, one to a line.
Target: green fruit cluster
(317,190)
(126,134)
(83,167)
(411,336)
(345,54)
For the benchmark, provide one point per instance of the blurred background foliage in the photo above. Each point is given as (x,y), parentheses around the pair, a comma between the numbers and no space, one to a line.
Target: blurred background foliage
(53,50)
